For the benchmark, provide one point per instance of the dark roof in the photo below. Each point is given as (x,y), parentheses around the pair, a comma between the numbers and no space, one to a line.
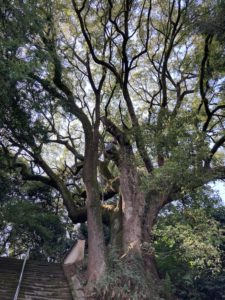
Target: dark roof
(41,280)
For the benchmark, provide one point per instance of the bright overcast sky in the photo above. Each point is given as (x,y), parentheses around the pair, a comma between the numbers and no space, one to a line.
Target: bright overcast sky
(220,187)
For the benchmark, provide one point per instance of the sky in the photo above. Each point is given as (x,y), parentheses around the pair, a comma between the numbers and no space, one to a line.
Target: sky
(220,187)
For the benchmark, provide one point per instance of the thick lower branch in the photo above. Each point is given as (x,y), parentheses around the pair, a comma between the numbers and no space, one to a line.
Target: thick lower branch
(26,175)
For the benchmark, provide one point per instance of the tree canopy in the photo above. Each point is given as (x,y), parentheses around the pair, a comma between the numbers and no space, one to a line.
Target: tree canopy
(117,106)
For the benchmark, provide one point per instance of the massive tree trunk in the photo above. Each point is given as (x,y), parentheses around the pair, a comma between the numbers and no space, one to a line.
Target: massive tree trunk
(135,264)
(138,209)
(132,201)
(139,212)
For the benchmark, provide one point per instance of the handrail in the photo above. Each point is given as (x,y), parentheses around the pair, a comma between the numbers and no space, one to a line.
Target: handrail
(21,275)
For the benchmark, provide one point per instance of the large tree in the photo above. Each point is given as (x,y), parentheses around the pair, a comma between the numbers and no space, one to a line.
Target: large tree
(113,100)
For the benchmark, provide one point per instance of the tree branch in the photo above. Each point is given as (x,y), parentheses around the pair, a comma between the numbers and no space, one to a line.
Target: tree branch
(214,149)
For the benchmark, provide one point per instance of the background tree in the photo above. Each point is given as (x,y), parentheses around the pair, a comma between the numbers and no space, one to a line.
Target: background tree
(32,217)
(189,245)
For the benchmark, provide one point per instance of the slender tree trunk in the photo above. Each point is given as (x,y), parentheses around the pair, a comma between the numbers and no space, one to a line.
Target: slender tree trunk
(153,203)
(116,228)
(96,255)
(96,249)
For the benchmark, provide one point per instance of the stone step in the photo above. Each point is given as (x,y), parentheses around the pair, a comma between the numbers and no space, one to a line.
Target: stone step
(41,280)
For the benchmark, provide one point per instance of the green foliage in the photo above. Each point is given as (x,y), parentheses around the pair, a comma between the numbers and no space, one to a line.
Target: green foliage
(168,287)
(30,217)
(189,245)
(184,149)
(8,182)
(194,237)
(31,227)
(212,19)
